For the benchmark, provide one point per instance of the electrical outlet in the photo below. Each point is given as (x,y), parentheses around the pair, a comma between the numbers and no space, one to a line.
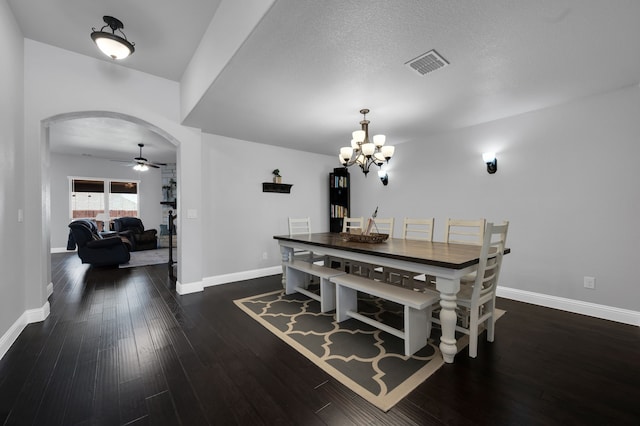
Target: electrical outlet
(265,256)
(589,282)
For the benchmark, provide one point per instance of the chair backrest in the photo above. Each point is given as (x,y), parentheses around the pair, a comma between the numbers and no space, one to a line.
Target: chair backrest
(350,223)
(417,229)
(299,225)
(84,230)
(128,223)
(491,254)
(383,226)
(465,231)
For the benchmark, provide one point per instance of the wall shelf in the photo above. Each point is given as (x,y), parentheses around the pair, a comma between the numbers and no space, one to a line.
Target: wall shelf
(283,188)
(169,203)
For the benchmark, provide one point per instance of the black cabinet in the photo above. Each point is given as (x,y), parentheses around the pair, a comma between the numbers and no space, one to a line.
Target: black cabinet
(339,198)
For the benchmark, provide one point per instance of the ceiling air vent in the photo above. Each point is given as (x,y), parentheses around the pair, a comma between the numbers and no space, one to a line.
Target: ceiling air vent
(427,62)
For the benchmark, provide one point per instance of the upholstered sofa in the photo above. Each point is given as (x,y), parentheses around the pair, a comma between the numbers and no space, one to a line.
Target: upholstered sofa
(93,248)
(133,229)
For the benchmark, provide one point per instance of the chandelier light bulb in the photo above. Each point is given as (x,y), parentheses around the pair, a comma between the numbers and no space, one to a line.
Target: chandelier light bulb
(346,152)
(368,149)
(379,140)
(387,151)
(359,135)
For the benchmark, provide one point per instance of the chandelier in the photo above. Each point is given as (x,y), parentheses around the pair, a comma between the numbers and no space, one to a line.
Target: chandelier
(364,152)
(110,43)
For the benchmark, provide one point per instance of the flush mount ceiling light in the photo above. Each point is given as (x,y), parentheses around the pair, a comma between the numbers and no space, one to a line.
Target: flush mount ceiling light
(110,43)
(363,152)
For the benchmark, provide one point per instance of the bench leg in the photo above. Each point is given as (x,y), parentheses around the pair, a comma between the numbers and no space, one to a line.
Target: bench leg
(346,300)
(416,328)
(327,295)
(295,278)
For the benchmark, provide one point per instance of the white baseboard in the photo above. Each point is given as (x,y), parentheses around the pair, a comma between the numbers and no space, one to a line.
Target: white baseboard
(27,317)
(189,288)
(625,316)
(61,250)
(241,276)
(49,290)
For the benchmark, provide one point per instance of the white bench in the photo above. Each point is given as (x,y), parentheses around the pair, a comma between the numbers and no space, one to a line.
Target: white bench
(417,308)
(297,272)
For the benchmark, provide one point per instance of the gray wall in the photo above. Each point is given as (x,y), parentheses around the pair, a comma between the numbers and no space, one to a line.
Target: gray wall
(567,181)
(12,301)
(240,220)
(63,166)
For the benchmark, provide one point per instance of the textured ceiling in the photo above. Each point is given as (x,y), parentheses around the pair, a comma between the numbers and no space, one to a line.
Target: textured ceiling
(309,66)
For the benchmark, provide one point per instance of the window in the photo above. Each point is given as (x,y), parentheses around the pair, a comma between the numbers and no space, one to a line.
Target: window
(87,198)
(123,199)
(91,197)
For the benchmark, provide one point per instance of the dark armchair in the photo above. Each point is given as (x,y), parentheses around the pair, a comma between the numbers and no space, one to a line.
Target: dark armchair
(133,229)
(96,250)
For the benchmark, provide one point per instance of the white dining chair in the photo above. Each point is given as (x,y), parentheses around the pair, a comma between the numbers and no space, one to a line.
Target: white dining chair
(412,229)
(461,231)
(417,229)
(476,300)
(351,224)
(300,226)
(383,226)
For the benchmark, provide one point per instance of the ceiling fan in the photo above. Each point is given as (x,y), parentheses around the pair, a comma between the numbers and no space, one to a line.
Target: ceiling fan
(142,164)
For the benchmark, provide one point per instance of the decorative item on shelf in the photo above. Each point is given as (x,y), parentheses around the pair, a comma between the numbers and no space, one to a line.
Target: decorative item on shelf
(166,191)
(364,152)
(110,43)
(277,185)
(366,236)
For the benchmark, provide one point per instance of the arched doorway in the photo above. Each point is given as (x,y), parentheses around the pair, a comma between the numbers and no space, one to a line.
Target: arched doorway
(94,136)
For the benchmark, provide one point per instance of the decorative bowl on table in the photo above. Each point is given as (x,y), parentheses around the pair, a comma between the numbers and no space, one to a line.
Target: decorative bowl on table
(364,238)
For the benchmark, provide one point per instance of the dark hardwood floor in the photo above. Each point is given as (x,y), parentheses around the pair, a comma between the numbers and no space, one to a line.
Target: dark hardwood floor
(121,348)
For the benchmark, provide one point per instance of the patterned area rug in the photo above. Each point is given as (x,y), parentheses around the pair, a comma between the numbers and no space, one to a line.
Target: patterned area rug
(368,361)
(148,257)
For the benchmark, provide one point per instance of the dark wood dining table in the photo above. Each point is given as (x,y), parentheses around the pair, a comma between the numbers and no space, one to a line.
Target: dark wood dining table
(447,262)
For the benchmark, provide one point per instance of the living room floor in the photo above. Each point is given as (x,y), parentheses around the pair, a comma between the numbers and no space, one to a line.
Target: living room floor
(120,347)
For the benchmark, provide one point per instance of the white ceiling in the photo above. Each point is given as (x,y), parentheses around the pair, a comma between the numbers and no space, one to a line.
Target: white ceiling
(309,66)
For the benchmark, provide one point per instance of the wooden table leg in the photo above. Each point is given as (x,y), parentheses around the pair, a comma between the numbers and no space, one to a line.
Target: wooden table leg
(448,290)
(287,253)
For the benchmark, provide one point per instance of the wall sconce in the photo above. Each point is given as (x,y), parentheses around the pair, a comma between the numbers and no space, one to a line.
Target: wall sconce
(492,162)
(384,177)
